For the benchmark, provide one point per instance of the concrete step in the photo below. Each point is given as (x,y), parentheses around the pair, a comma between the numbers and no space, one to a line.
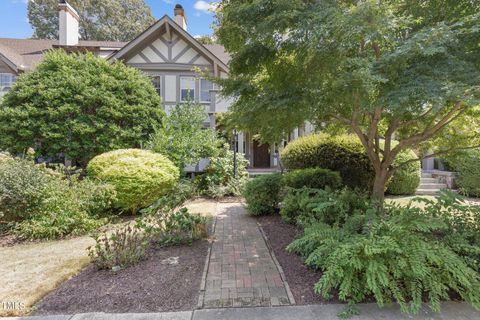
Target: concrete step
(437,186)
(427,192)
(426,175)
(428,180)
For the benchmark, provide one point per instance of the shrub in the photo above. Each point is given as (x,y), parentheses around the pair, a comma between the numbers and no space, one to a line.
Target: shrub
(467,165)
(122,248)
(406,179)
(168,223)
(306,206)
(139,176)
(181,226)
(344,154)
(262,194)
(22,188)
(79,105)
(396,257)
(183,190)
(218,180)
(47,203)
(317,178)
(290,207)
(183,138)
(70,207)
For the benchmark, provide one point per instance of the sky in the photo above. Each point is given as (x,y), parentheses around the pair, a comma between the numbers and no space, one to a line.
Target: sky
(14,20)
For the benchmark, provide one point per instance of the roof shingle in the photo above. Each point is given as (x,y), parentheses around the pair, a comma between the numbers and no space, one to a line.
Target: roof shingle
(26,53)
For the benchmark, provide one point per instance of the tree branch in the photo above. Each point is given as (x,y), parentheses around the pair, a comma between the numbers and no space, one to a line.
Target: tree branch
(429,132)
(435,154)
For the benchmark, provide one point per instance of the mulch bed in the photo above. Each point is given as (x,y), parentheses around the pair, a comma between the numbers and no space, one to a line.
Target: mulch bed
(150,286)
(300,278)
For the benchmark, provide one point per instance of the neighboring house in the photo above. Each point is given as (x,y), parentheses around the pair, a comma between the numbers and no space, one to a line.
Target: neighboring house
(165,51)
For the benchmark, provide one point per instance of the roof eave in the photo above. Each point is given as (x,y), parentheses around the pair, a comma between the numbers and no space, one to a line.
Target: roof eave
(145,34)
(11,64)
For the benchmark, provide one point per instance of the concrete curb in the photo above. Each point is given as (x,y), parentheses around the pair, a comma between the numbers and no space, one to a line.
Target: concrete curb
(368,311)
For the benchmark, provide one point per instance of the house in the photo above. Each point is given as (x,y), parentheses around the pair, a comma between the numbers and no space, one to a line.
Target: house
(165,51)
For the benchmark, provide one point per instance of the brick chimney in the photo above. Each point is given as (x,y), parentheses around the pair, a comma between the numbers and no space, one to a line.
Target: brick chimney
(68,24)
(180,18)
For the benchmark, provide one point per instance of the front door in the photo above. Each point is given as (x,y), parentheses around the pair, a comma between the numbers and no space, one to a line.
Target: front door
(261,155)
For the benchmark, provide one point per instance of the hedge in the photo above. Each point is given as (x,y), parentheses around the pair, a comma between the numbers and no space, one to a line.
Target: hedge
(262,194)
(346,155)
(318,178)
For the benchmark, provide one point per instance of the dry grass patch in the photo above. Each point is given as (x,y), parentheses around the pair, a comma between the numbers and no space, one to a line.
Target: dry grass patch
(204,207)
(29,271)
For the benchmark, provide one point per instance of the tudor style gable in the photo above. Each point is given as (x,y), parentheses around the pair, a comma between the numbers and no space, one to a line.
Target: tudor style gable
(170,49)
(167,46)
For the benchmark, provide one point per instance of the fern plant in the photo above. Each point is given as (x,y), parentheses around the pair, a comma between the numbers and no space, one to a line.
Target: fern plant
(396,257)
(462,219)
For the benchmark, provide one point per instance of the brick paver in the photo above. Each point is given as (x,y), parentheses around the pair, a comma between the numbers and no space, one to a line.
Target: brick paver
(241,271)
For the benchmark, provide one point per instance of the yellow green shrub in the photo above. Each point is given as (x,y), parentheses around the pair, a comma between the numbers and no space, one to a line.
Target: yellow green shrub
(139,176)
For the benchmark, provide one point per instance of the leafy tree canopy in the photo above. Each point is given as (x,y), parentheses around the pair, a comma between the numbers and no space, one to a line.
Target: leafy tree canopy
(109,20)
(183,138)
(206,39)
(399,69)
(79,105)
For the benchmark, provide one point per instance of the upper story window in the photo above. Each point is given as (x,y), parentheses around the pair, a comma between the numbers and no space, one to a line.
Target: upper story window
(7,80)
(205,87)
(157,84)
(187,88)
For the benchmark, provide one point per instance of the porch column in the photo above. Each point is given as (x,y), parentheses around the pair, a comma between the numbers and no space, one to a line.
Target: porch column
(240,142)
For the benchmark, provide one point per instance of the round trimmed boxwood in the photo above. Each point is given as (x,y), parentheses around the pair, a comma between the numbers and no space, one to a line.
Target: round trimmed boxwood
(262,194)
(346,155)
(405,180)
(317,178)
(139,176)
(343,153)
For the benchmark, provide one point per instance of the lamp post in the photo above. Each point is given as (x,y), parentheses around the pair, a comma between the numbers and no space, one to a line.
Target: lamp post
(235,141)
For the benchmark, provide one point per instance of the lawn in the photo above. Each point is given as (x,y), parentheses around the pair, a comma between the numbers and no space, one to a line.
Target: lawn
(31,270)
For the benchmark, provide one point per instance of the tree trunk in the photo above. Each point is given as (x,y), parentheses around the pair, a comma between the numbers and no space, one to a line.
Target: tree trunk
(378,193)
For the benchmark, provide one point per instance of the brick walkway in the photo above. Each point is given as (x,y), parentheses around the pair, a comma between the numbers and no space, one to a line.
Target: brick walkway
(241,271)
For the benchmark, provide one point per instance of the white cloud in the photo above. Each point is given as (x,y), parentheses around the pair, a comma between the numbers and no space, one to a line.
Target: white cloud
(168,1)
(205,6)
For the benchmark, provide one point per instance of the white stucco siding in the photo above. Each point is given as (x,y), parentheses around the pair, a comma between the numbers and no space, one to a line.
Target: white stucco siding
(202,60)
(161,47)
(170,88)
(187,56)
(136,59)
(152,56)
(178,47)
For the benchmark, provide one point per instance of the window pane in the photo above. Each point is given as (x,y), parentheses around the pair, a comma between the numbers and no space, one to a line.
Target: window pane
(7,80)
(187,88)
(205,87)
(187,94)
(156,84)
